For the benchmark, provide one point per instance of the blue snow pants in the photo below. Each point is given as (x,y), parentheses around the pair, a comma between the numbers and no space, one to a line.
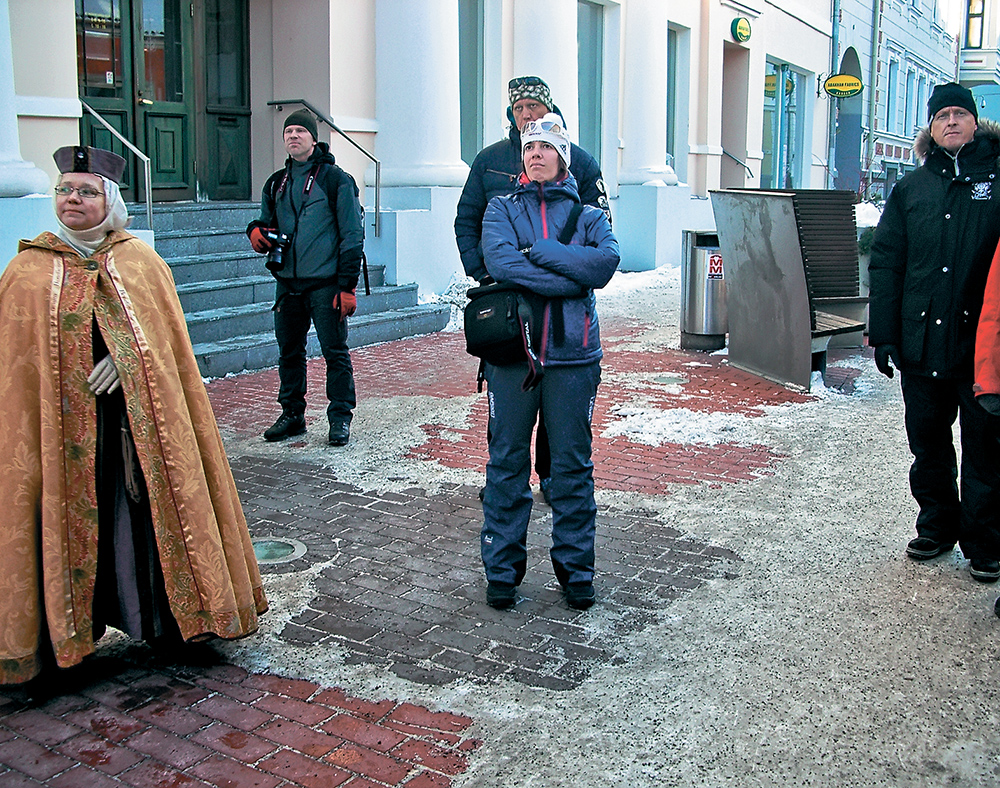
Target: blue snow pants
(566,397)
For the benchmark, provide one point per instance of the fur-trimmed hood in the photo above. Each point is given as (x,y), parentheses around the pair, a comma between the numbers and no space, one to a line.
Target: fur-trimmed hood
(923,143)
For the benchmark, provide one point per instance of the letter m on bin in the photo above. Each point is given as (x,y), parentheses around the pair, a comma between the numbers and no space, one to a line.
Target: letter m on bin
(715,266)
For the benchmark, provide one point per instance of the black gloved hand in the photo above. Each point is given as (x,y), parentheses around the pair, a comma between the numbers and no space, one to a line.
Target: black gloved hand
(883,355)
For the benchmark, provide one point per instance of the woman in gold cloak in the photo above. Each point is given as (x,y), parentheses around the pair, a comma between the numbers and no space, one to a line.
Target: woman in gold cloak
(119,504)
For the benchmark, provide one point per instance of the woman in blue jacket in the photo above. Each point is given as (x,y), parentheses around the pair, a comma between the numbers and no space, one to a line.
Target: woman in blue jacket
(520,247)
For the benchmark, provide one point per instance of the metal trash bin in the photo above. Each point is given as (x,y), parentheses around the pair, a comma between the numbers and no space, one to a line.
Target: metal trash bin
(704,321)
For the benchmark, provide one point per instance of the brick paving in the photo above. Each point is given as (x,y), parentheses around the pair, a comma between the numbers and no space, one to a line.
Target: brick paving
(399,586)
(144,722)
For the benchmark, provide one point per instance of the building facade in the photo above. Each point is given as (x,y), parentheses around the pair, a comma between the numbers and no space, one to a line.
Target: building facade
(900,49)
(674,98)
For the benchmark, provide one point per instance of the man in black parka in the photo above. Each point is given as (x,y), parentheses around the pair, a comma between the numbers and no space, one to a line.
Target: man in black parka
(315,204)
(929,263)
(494,173)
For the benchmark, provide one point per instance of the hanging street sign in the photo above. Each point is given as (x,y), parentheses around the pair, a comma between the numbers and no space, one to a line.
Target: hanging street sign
(842,85)
(740,29)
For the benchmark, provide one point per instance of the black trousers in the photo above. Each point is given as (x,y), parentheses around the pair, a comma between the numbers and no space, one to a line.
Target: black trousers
(965,511)
(292,315)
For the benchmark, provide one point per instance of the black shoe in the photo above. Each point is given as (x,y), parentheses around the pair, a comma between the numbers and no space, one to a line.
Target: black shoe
(286,426)
(340,433)
(985,570)
(923,548)
(580,596)
(996,607)
(501,596)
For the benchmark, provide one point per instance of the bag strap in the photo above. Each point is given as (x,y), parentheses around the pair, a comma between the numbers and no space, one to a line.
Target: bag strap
(566,235)
(556,305)
(535,369)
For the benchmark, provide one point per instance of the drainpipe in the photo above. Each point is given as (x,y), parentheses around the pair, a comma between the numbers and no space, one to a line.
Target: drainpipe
(831,162)
(872,71)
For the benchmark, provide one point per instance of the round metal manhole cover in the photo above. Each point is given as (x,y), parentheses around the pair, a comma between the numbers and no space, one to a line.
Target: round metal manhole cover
(277,550)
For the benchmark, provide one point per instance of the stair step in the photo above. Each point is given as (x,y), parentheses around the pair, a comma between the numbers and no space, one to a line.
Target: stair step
(259,350)
(222,293)
(227,294)
(189,215)
(237,264)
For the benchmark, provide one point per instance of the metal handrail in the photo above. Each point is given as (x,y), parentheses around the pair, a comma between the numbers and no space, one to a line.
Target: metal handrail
(743,164)
(137,152)
(329,122)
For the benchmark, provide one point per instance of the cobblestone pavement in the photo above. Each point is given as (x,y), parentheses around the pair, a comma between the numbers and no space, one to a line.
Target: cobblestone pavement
(397,584)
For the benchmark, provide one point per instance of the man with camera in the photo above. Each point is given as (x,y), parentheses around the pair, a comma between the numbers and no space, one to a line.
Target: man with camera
(311,228)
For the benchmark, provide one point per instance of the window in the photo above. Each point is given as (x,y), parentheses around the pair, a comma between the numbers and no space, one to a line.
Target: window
(911,101)
(892,98)
(470,76)
(590,75)
(974,25)
(672,58)
(226,51)
(99,48)
(785,94)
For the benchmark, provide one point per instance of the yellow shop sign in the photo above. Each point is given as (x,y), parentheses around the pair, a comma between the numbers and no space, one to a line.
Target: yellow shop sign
(842,86)
(741,29)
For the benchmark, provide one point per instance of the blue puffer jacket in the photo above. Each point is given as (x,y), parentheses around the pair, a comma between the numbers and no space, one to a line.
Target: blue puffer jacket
(520,247)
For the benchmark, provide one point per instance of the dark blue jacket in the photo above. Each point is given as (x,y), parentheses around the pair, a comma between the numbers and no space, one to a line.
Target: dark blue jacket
(494,173)
(520,247)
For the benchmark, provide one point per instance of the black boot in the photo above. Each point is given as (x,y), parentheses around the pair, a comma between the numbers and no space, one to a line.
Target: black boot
(287,425)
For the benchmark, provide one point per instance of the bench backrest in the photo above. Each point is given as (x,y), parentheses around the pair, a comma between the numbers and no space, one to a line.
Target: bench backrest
(828,237)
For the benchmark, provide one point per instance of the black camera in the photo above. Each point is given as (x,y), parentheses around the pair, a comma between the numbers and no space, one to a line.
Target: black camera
(276,254)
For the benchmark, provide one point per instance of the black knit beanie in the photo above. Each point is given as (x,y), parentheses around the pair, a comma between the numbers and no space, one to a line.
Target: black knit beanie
(951,94)
(304,119)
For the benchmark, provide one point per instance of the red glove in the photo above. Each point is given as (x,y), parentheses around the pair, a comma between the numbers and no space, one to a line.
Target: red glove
(346,303)
(259,242)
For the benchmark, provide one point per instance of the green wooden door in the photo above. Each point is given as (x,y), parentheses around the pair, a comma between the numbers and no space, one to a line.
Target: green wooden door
(135,69)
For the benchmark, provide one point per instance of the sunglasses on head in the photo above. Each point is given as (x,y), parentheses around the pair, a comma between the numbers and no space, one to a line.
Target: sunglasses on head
(517,82)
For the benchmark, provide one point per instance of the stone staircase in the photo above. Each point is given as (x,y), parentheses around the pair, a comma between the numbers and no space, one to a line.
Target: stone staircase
(227,293)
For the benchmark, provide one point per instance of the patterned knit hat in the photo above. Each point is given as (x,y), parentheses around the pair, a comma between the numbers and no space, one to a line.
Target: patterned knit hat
(548,129)
(529,87)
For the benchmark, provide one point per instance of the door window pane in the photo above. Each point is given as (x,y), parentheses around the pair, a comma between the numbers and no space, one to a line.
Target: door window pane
(225,47)
(162,48)
(99,47)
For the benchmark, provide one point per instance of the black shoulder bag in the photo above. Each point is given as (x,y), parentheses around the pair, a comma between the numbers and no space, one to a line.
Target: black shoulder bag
(503,321)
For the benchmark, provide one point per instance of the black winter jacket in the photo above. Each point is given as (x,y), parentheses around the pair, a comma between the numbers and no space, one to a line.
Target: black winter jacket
(327,228)
(494,173)
(932,253)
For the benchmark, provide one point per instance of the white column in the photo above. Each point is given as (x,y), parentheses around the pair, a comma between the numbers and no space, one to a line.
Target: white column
(17,177)
(545,46)
(644,95)
(417,93)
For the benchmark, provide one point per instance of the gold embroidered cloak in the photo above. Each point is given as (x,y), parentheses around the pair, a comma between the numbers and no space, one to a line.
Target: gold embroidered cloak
(49,299)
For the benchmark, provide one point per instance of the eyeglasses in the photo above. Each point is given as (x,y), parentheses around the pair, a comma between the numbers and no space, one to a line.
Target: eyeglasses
(517,82)
(84,191)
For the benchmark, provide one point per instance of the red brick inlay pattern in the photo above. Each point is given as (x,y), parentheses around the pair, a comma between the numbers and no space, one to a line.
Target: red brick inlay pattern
(225,728)
(437,365)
